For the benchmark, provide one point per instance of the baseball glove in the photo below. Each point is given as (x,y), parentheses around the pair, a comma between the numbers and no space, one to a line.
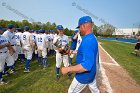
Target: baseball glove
(65,50)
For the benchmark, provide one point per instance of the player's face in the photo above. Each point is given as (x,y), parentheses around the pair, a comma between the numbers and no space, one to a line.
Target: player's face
(61,32)
(82,29)
(13,29)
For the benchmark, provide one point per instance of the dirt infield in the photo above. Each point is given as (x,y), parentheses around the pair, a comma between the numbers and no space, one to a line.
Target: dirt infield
(119,79)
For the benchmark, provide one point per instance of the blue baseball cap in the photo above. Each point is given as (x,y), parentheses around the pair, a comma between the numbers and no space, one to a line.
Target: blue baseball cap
(26,28)
(36,31)
(19,29)
(1,28)
(84,20)
(76,31)
(60,27)
(10,26)
(31,31)
(42,31)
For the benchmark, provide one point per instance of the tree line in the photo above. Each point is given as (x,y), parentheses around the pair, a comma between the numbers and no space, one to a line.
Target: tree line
(103,30)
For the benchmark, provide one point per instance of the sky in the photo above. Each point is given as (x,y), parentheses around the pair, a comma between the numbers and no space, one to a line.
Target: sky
(119,13)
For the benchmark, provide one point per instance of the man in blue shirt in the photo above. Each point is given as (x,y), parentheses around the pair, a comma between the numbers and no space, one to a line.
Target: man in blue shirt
(87,59)
(74,38)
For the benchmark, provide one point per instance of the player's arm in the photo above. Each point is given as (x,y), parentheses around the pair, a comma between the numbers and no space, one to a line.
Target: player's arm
(75,36)
(46,41)
(55,47)
(5,45)
(77,68)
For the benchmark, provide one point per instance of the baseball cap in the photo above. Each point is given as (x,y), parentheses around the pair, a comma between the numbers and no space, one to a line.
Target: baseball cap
(60,27)
(10,26)
(31,31)
(19,29)
(42,31)
(26,28)
(76,31)
(84,20)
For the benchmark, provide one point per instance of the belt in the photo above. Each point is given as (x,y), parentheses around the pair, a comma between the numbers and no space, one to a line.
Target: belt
(13,45)
(3,52)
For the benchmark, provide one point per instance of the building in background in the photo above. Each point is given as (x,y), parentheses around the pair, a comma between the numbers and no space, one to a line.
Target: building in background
(126,31)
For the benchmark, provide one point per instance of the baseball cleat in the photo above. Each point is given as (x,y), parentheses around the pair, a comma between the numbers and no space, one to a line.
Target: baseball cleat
(13,72)
(57,77)
(26,70)
(3,82)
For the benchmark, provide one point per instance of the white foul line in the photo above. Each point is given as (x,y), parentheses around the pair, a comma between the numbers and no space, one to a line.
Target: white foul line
(105,80)
(109,64)
(109,56)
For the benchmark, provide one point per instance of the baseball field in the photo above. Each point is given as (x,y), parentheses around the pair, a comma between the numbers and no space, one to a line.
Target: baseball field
(121,52)
(41,80)
(37,81)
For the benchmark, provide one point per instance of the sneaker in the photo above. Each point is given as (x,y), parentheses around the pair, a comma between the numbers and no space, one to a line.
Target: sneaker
(3,82)
(13,72)
(6,74)
(57,77)
(26,70)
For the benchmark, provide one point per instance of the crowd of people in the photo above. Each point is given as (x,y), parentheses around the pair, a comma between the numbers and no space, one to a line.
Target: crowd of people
(23,45)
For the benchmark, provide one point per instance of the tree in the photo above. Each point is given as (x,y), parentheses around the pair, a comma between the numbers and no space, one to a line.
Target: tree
(106,29)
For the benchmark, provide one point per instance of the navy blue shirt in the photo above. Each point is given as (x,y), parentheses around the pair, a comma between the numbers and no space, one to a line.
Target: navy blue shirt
(87,56)
(73,43)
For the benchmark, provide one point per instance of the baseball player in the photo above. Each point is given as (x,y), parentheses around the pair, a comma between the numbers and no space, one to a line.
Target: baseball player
(18,41)
(42,44)
(10,36)
(87,60)
(33,36)
(60,57)
(35,48)
(4,55)
(76,41)
(27,45)
(50,38)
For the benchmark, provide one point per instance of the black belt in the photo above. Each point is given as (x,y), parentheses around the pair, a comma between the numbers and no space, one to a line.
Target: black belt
(3,52)
(13,45)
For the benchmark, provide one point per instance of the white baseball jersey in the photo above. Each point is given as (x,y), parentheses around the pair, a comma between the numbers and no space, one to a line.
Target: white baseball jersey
(33,35)
(10,37)
(18,37)
(3,41)
(63,39)
(41,41)
(51,36)
(79,40)
(26,39)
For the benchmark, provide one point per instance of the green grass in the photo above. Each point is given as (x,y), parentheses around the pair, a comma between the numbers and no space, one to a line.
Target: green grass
(37,81)
(121,52)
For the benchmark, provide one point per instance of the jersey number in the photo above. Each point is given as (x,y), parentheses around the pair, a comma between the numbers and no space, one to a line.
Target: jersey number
(24,37)
(39,39)
(17,36)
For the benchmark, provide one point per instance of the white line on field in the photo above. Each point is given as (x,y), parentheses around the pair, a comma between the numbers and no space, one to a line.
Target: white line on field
(105,80)
(109,56)
(109,64)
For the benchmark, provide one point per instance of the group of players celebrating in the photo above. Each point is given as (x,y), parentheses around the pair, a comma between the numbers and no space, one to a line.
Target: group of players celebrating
(22,45)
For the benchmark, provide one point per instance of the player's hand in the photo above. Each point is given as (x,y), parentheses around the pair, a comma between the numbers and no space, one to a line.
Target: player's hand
(74,52)
(59,49)
(64,70)
(7,44)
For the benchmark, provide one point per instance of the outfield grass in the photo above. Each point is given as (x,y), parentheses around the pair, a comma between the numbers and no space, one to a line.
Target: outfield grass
(121,52)
(37,81)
